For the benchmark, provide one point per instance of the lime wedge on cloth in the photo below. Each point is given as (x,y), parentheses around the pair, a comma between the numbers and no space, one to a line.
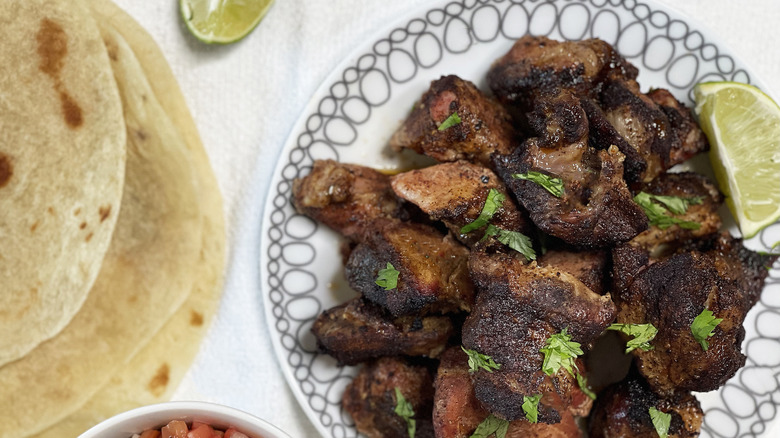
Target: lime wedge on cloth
(743,127)
(222,21)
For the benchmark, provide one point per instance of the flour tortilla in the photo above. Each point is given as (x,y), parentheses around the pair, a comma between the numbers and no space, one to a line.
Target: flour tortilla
(153,374)
(62,166)
(147,273)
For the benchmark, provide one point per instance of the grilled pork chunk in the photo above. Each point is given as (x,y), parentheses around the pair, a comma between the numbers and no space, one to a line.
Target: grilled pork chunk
(455,194)
(589,267)
(596,208)
(690,138)
(518,308)
(457,412)
(357,331)
(720,275)
(622,410)
(484,126)
(685,185)
(433,269)
(538,64)
(346,197)
(371,400)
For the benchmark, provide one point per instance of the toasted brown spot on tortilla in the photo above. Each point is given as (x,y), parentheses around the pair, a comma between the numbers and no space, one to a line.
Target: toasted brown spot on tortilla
(196,319)
(104,212)
(88,238)
(52,47)
(50,210)
(6,170)
(71,110)
(140,134)
(77,211)
(34,226)
(160,380)
(83,225)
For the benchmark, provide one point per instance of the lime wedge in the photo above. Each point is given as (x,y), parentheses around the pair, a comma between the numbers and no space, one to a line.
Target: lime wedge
(222,21)
(743,127)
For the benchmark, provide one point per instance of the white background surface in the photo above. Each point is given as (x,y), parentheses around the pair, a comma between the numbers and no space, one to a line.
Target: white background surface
(245,99)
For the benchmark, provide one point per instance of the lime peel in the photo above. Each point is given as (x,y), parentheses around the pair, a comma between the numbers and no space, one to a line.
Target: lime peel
(222,21)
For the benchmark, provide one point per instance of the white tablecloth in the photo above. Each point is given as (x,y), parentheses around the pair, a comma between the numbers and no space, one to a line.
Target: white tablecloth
(245,99)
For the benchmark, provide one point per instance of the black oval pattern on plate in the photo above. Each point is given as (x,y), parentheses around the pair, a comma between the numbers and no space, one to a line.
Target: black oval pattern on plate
(652,40)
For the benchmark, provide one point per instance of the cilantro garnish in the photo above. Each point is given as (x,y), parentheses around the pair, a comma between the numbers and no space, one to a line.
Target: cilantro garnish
(582,382)
(658,214)
(491,425)
(703,326)
(661,421)
(450,121)
(531,407)
(641,335)
(388,277)
(513,239)
(551,184)
(492,204)
(404,410)
(479,360)
(560,351)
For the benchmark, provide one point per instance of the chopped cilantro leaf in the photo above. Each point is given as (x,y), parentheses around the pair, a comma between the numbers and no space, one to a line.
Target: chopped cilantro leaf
(491,425)
(513,239)
(450,121)
(582,381)
(658,215)
(661,421)
(404,410)
(560,351)
(531,407)
(703,326)
(551,184)
(492,204)
(479,360)
(388,277)
(641,335)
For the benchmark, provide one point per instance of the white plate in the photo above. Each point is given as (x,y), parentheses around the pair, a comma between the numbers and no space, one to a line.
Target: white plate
(352,115)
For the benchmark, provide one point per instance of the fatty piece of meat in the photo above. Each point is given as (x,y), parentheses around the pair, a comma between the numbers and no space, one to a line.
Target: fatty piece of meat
(539,64)
(455,194)
(596,208)
(622,411)
(642,123)
(357,331)
(346,197)
(518,308)
(691,139)
(484,126)
(457,412)
(721,276)
(589,267)
(370,398)
(433,269)
(685,185)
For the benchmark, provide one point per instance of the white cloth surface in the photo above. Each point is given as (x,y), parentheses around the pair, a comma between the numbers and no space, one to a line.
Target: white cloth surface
(245,99)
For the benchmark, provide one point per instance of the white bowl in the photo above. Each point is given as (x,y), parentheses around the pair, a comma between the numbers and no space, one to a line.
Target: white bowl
(137,420)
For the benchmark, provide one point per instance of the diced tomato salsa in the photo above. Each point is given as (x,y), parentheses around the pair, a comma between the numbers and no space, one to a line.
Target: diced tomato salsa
(180,429)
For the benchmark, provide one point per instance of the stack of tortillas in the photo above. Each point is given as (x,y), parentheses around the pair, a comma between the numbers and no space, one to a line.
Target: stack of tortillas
(111,223)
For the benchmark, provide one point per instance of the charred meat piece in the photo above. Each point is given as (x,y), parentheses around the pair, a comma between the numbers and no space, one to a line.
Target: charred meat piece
(683,126)
(370,399)
(721,276)
(622,411)
(484,125)
(518,308)
(539,64)
(596,208)
(685,185)
(433,269)
(455,193)
(588,267)
(642,123)
(457,412)
(358,330)
(346,197)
